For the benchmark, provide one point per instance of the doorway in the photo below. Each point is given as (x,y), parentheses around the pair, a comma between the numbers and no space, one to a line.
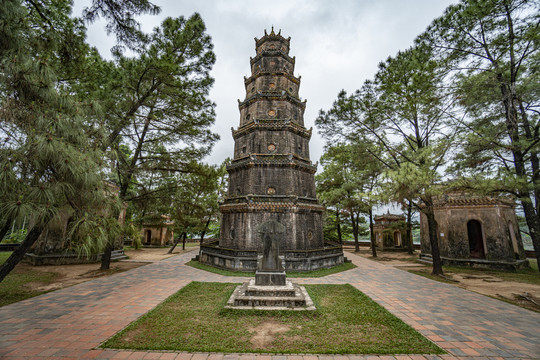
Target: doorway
(397,239)
(476,240)
(148,237)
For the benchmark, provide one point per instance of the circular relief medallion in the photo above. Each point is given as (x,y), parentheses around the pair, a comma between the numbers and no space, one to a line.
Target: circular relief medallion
(244,149)
(271,191)
(272,112)
(272,85)
(271,147)
(310,234)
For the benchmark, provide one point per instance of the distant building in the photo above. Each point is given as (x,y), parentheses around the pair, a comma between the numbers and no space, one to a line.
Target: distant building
(157,231)
(477,231)
(390,232)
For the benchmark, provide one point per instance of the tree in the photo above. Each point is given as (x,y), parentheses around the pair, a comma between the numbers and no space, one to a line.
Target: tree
(47,159)
(51,157)
(345,183)
(404,113)
(156,105)
(194,202)
(492,48)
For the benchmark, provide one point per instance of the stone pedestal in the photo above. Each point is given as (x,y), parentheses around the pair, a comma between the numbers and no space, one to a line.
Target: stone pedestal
(250,296)
(270,278)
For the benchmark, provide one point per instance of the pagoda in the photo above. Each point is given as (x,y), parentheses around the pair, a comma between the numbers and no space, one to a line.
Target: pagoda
(271,177)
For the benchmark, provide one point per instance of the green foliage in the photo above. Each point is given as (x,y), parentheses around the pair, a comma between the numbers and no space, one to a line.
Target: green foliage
(15,237)
(65,111)
(132,232)
(348,186)
(120,15)
(491,49)
(48,160)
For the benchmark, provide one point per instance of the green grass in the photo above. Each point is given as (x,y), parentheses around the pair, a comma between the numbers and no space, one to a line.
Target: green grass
(529,276)
(4,256)
(309,274)
(14,287)
(534,264)
(346,321)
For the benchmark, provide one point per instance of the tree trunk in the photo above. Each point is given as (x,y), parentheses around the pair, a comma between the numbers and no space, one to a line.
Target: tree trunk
(372,234)
(205,229)
(106,258)
(4,230)
(355,233)
(533,222)
(184,242)
(183,235)
(338,227)
(409,229)
(20,251)
(433,240)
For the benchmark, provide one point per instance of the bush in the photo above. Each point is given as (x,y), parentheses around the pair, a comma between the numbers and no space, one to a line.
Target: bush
(15,237)
(133,233)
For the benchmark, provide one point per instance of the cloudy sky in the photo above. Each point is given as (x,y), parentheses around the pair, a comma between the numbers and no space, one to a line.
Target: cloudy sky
(337,45)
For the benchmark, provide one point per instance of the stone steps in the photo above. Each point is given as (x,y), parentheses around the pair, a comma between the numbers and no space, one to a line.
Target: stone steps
(286,297)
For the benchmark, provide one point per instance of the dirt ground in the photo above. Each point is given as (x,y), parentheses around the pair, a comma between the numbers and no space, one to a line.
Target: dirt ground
(75,274)
(519,293)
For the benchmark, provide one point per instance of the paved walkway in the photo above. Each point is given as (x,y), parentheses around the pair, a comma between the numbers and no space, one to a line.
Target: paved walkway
(72,322)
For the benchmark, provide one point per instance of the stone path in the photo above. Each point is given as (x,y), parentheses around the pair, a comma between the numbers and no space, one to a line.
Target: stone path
(72,322)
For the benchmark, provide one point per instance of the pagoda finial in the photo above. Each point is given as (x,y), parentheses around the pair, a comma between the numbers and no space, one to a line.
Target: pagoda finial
(272,33)
(265,32)
(279,32)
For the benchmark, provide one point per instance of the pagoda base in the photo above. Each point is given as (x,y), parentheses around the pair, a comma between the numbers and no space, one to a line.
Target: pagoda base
(246,260)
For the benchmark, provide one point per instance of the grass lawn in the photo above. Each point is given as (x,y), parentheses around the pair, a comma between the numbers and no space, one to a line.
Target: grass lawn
(346,322)
(14,287)
(310,274)
(530,276)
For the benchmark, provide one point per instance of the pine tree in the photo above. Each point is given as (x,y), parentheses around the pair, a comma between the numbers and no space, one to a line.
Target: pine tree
(492,48)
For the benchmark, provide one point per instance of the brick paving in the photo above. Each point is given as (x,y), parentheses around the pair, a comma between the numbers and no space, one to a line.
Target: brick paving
(70,323)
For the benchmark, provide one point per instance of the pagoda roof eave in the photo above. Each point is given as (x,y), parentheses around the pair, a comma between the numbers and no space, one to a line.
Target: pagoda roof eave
(284,96)
(271,53)
(248,80)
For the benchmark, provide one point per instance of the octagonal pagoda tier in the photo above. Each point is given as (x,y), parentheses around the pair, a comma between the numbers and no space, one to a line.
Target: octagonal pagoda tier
(271,176)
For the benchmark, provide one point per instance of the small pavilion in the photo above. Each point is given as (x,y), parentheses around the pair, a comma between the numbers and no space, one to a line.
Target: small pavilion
(157,230)
(390,232)
(479,231)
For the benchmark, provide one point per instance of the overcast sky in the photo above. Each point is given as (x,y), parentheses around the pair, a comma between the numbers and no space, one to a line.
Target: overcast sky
(337,44)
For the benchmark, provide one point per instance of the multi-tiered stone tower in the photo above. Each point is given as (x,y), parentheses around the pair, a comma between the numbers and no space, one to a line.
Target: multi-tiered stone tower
(271,177)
